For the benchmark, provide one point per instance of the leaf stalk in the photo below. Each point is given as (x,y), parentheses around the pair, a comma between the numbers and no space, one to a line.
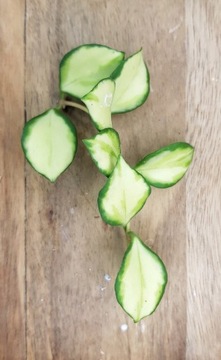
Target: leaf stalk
(64,103)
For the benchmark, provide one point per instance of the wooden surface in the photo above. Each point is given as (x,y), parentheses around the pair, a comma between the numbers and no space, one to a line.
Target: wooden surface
(12,183)
(54,248)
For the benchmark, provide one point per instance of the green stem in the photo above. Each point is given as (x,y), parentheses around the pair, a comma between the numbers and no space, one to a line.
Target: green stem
(64,103)
(127,229)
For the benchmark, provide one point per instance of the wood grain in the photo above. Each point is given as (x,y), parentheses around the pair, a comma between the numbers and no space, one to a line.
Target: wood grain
(68,252)
(203,93)
(67,311)
(12,210)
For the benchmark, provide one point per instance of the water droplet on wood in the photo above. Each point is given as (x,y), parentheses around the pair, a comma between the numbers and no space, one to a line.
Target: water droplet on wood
(124,327)
(107,277)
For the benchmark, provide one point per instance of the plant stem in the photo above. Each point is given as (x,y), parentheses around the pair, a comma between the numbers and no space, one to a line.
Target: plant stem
(127,229)
(73,104)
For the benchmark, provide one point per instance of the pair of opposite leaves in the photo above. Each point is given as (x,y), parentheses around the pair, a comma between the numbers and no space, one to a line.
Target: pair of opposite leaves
(49,142)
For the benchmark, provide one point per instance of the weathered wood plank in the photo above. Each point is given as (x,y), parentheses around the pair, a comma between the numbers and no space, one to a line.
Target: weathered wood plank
(72,311)
(203,93)
(12,214)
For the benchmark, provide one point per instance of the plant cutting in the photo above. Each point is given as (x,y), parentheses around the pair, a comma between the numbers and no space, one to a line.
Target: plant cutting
(102,82)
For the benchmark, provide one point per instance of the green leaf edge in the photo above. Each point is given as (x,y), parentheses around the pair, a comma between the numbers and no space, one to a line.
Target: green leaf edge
(132,235)
(84,97)
(33,120)
(101,132)
(168,147)
(63,60)
(116,73)
(105,189)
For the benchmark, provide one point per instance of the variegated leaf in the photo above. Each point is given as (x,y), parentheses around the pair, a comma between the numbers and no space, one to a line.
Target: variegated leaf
(123,195)
(165,167)
(141,281)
